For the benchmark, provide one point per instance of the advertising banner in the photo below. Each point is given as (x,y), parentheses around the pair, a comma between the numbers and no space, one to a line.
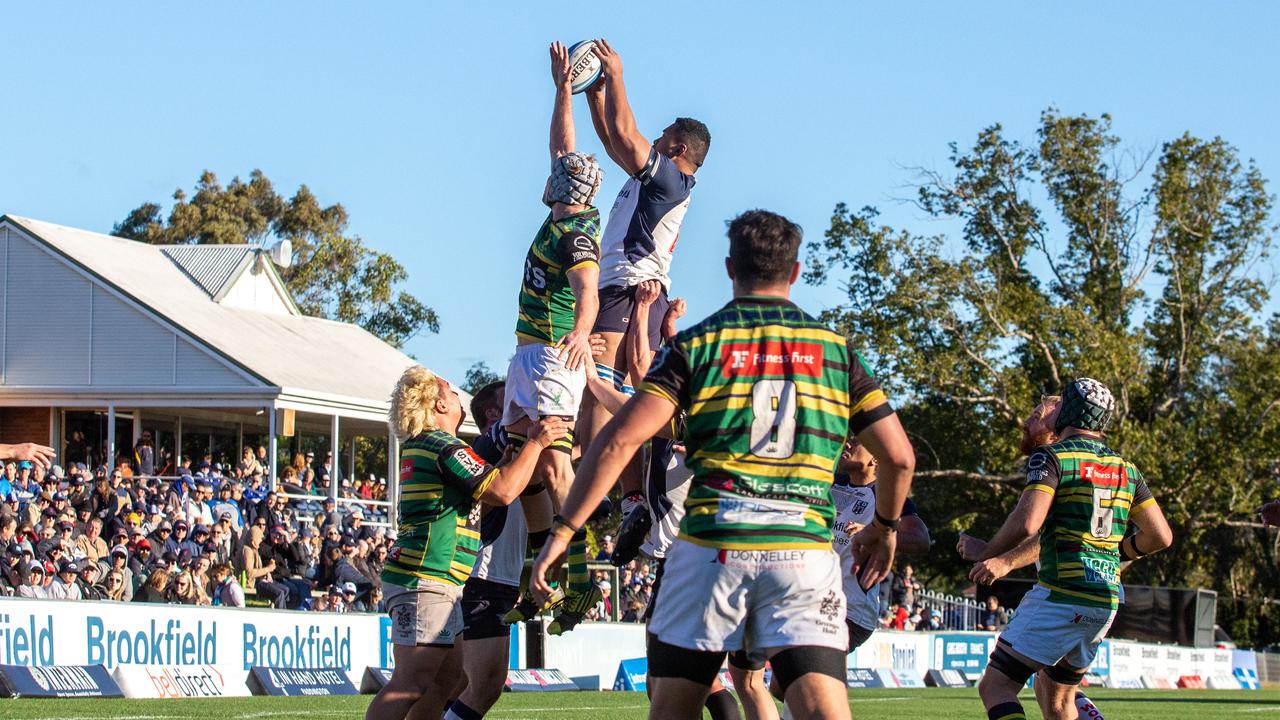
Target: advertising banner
(906,651)
(177,681)
(966,652)
(188,640)
(57,681)
(295,682)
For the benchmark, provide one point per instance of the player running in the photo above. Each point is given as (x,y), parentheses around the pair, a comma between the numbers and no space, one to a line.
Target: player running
(442,484)
(1080,496)
(770,394)
(641,234)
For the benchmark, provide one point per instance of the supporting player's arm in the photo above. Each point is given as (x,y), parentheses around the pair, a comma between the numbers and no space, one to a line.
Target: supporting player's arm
(509,479)
(1022,524)
(575,347)
(992,569)
(875,545)
(639,420)
(627,146)
(562,133)
(639,354)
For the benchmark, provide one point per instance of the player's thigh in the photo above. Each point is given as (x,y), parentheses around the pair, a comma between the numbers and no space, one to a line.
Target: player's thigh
(1056,699)
(416,666)
(799,600)
(704,600)
(486,663)
(817,696)
(677,699)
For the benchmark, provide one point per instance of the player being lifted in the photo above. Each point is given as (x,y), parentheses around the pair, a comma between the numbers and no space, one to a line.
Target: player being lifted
(640,236)
(1080,496)
(770,394)
(558,303)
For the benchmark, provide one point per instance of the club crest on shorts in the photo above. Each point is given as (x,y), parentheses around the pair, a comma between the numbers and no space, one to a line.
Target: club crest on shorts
(830,606)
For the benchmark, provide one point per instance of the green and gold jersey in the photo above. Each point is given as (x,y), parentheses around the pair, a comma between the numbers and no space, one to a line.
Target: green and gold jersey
(546,298)
(441,480)
(770,395)
(1094,490)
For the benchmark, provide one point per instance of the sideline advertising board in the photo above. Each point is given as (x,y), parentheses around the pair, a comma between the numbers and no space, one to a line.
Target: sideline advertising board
(188,641)
(176,681)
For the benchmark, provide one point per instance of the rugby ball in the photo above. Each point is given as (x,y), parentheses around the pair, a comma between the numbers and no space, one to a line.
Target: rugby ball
(584,66)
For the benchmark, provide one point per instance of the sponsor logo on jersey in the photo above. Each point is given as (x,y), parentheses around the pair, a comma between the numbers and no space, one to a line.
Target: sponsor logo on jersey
(771,357)
(1107,475)
(467,458)
(406,469)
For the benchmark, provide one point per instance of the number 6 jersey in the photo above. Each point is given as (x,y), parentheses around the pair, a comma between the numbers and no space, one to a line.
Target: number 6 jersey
(770,395)
(1094,490)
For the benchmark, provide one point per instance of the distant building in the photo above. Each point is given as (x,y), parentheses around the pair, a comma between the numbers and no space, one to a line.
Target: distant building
(103,338)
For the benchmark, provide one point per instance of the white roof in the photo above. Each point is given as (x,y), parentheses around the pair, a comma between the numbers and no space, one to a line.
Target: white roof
(303,356)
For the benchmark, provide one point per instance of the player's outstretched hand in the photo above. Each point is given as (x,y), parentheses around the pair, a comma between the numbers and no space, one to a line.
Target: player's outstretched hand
(970,547)
(575,349)
(1270,513)
(548,430)
(873,549)
(544,564)
(989,571)
(559,65)
(675,311)
(610,63)
(40,456)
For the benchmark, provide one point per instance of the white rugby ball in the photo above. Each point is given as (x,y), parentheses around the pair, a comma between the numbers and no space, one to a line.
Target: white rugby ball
(584,66)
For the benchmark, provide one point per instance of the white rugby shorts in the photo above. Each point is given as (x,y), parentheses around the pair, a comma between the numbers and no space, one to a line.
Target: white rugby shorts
(759,601)
(538,384)
(1048,632)
(428,615)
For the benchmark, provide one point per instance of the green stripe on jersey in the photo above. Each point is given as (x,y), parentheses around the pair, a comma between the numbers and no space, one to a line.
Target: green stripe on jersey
(1080,540)
(546,301)
(438,539)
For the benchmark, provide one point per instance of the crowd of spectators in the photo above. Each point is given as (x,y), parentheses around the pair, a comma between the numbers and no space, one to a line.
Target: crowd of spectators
(204,536)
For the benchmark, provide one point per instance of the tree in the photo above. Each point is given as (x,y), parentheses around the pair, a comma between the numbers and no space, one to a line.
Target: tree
(333,275)
(1067,266)
(479,375)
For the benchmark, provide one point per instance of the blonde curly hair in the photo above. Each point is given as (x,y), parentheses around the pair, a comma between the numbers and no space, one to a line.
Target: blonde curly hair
(413,403)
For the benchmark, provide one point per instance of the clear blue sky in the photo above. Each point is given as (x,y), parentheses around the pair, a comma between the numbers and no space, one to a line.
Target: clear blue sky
(430,123)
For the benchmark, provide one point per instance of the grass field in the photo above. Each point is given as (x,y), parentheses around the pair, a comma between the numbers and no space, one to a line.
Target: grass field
(928,704)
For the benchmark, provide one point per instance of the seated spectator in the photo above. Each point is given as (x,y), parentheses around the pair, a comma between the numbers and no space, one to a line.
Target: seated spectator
(113,586)
(376,603)
(152,590)
(88,581)
(65,586)
(350,599)
(994,618)
(259,573)
(226,591)
(184,590)
(34,587)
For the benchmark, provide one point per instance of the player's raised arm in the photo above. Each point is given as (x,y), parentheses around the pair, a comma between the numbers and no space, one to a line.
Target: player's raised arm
(595,104)
(627,146)
(562,134)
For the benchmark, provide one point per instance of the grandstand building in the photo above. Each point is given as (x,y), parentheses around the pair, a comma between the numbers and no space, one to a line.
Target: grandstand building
(102,338)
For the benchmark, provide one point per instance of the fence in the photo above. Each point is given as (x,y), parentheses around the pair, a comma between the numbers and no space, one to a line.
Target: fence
(957,612)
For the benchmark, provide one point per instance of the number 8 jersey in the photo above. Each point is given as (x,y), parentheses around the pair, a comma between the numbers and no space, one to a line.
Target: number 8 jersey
(1094,490)
(770,395)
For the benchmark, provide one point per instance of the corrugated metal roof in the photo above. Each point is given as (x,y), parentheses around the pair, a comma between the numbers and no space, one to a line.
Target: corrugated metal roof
(212,267)
(303,355)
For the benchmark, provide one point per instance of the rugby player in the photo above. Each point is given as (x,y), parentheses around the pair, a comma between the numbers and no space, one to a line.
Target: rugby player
(558,303)
(640,237)
(1080,496)
(770,394)
(1037,430)
(443,483)
(493,588)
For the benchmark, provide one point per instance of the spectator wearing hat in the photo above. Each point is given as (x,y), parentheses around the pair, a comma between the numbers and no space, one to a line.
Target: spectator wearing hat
(12,568)
(33,585)
(351,599)
(226,591)
(90,545)
(160,536)
(64,587)
(343,568)
(181,540)
(278,551)
(260,573)
(330,514)
(118,560)
(225,506)
(87,581)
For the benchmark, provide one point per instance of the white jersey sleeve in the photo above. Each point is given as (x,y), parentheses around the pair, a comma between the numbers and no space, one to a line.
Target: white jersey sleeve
(644,225)
(855,505)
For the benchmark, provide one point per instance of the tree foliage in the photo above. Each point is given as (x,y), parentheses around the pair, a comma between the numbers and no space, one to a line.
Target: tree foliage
(333,275)
(1073,260)
(479,375)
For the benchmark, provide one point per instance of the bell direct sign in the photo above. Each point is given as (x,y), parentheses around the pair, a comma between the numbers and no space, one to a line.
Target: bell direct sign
(186,641)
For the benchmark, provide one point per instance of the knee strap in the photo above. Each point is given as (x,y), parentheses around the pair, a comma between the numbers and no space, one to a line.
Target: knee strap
(1010,666)
(1064,675)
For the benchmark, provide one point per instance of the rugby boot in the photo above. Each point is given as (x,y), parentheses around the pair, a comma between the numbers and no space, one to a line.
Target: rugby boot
(528,609)
(575,607)
(632,531)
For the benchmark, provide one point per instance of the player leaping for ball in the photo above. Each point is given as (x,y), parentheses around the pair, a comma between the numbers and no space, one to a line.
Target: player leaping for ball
(558,300)
(639,238)
(1080,496)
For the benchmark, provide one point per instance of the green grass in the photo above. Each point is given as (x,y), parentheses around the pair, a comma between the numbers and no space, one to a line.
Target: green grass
(928,704)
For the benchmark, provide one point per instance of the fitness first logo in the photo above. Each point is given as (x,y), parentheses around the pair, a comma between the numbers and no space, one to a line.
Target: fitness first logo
(771,357)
